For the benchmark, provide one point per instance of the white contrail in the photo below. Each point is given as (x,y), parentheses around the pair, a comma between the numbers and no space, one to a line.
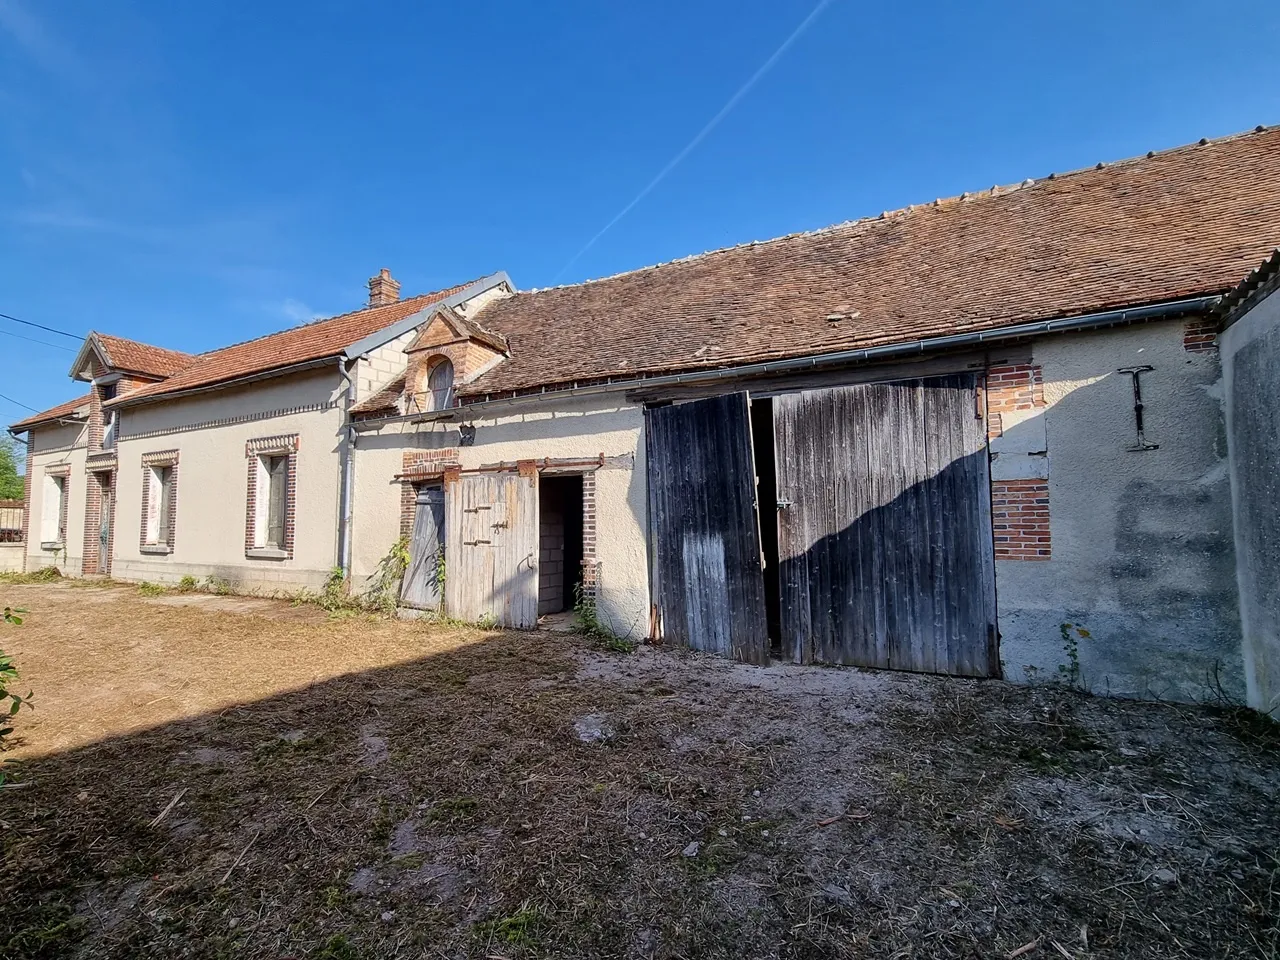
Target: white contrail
(711,125)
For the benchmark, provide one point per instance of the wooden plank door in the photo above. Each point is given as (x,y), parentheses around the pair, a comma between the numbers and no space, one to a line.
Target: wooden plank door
(421,585)
(884,527)
(491,536)
(708,585)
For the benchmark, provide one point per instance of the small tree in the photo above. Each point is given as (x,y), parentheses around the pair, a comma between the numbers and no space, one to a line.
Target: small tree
(11,485)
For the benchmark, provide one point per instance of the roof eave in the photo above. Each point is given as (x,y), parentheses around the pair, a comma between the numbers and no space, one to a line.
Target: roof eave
(131,400)
(384,336)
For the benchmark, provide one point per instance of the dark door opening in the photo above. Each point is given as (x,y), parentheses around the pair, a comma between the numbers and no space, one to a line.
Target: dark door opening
(559,542)
(767,512)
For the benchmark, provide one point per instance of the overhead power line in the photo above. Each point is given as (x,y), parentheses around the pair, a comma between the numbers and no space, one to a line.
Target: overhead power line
(61,333)
(701,135)
(19,403)
(18,336)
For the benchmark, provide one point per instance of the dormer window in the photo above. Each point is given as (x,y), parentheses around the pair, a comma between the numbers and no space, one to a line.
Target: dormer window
(439,392)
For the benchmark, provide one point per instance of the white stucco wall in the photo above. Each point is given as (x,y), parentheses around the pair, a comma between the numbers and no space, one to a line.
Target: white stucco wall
(57,445)
(1251,372)
(210,431)
(1142,554)
(11,557)
(569,429)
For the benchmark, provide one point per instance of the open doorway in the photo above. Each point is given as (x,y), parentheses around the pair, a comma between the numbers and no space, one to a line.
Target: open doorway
(767,511)
(559,542)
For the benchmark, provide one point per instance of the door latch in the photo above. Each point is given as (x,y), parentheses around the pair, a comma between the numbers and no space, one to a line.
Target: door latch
(783,504)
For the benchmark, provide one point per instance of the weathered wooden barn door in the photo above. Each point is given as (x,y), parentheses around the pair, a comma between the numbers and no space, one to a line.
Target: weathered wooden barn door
(706,563)
(421,585)
(884,526)
(491,570)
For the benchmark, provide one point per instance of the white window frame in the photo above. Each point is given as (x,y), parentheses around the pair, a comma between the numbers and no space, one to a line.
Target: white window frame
(52,501)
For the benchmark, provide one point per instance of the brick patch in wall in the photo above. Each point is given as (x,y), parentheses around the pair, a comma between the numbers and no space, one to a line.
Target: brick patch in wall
(1011,388)
(1200,335)
(419,466)
(1020,519)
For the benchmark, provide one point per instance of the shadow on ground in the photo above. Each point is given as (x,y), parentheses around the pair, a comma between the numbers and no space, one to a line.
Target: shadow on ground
(522,795)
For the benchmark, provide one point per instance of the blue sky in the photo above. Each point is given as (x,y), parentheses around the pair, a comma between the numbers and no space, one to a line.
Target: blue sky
(193,174)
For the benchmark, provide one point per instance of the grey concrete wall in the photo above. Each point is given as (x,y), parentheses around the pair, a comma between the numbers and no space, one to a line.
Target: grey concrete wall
(1142,563)
(1251,373)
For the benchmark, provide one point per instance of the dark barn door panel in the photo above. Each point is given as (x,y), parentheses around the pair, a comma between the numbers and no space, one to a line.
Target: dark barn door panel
(706,544)
(884,527)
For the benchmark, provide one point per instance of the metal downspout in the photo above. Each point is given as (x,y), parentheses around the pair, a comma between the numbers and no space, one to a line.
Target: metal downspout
(347,468)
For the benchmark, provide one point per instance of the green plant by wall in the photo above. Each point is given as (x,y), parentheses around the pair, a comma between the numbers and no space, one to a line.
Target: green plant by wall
(589,622)
(1069,672)
(10,702)
(383,591)
(188,583)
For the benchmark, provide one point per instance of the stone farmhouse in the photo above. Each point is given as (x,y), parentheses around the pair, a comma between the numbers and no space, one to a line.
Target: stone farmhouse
(991,435)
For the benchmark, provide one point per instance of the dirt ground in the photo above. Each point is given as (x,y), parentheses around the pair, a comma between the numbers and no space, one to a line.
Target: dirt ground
(217,777)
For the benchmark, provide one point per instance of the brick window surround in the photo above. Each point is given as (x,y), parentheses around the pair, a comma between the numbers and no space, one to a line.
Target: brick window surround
(255,452)
(1020,518)
(150,461)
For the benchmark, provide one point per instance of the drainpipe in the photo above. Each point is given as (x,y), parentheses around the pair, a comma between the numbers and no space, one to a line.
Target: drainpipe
(347,468)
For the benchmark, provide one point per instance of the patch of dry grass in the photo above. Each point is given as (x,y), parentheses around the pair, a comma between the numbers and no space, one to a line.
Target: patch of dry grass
(358,789)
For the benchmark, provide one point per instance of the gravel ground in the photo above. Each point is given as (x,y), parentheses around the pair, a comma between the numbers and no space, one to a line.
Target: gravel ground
(249,779)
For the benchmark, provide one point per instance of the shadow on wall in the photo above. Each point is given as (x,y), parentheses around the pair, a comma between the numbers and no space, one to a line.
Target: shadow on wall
(1138,597)
(906,585)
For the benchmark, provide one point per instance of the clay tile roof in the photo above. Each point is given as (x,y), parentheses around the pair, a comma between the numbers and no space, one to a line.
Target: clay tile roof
(143,358)
(1184,222)
(312,341)
(67,409)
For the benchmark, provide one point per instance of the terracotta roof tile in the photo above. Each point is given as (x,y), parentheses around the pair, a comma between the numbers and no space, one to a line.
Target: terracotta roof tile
(312,341)
(53,413)
(1175,224)
(384,401)
(142,357)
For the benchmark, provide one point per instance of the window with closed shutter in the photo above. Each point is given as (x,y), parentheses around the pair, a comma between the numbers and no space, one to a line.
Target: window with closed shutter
(277,501)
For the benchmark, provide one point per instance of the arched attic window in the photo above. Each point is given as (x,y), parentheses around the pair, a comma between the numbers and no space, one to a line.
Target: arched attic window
(438,392)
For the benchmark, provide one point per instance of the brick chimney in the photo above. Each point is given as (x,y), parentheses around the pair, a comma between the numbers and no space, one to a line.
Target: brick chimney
(383,289)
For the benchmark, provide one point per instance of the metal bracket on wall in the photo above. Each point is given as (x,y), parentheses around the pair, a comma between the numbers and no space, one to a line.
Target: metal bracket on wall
(1136,373)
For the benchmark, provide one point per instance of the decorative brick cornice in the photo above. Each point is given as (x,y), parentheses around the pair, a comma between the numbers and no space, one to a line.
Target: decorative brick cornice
(280,445)
(160,458)
(58,470)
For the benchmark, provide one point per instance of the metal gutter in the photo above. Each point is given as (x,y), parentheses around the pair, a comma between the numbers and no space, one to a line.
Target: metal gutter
(914,347)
